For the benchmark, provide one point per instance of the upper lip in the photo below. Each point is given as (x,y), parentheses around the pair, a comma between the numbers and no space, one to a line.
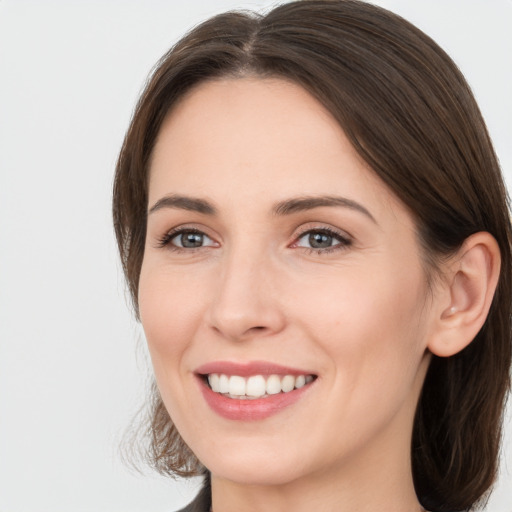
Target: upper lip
(249,368)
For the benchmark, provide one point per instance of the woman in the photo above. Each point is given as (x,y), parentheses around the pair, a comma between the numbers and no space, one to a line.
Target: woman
(314,229)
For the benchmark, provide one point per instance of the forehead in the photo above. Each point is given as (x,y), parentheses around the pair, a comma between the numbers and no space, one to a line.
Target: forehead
(258,140)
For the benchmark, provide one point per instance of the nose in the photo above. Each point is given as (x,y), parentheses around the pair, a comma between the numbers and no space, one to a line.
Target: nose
(245,302)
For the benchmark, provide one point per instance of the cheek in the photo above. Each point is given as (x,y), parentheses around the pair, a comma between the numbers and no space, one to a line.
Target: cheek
(170,307)
(368,328)
(370,323)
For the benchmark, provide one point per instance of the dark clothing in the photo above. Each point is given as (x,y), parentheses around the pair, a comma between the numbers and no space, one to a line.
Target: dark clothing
(202,502)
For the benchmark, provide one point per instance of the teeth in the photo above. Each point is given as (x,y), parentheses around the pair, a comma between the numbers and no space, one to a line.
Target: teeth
(256,386)
(237,385)
(288,383)
(273,385)
(300,381)
(223,384)
(213,380)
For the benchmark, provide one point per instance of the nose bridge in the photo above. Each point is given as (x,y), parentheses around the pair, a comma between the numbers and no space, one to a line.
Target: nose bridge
(245,303)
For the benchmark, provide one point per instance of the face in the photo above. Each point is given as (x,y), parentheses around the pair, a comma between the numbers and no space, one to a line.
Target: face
(282,273)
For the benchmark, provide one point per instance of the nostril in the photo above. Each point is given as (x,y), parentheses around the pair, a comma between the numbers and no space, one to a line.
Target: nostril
(238,319)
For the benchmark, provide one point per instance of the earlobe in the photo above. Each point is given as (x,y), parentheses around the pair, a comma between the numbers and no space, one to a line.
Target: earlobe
(471,280)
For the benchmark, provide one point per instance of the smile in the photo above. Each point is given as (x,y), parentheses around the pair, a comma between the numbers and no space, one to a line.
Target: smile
(253,390)
(255,386)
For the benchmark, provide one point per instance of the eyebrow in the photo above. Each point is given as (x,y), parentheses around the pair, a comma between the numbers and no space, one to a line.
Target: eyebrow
(308,203)
(184,203)
(286,207)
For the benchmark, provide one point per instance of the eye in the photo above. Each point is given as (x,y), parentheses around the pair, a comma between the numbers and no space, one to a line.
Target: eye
(188,238)
(322,240)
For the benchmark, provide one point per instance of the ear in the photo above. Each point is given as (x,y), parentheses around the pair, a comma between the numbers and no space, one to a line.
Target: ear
(469,282)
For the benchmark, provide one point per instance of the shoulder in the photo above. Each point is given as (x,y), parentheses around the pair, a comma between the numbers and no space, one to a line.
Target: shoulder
(191,507)
(194,507)
(201,503)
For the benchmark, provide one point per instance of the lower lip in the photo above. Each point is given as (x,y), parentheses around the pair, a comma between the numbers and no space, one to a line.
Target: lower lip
(250,410)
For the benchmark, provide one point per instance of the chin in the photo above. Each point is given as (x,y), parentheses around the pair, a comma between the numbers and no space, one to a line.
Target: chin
(255,466)
(249,473)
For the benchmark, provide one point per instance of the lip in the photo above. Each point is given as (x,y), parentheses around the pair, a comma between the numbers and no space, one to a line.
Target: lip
(254,409)
(249,368)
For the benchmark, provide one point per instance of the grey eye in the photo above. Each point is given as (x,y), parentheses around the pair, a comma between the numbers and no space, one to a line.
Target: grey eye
(191,240)
(320,240)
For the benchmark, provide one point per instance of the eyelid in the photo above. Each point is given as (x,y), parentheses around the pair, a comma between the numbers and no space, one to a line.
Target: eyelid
(164,241)
(320,226)
(344,238)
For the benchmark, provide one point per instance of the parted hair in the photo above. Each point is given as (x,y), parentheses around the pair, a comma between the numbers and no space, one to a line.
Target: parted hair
(409,113)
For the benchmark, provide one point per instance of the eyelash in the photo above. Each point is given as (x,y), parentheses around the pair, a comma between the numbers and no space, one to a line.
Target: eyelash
(343,240)
(165,241)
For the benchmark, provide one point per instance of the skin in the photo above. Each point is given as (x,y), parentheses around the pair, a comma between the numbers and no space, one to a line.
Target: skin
(358,314)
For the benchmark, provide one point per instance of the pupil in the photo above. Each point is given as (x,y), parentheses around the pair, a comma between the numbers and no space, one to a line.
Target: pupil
(191,240)
(320,240)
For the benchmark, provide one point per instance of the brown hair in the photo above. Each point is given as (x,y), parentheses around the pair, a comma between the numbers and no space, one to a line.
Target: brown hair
(410,114)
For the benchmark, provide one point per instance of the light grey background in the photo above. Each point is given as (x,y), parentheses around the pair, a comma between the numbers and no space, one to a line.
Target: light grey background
(70,376)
